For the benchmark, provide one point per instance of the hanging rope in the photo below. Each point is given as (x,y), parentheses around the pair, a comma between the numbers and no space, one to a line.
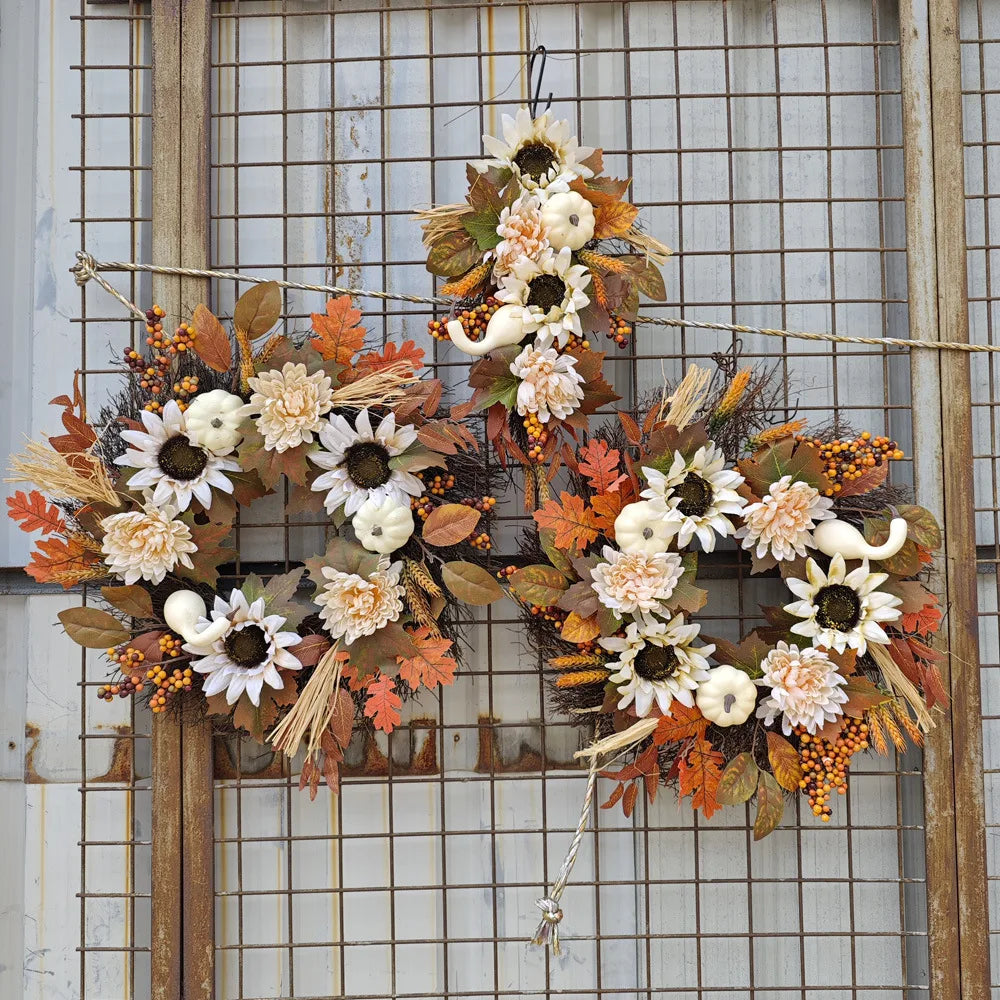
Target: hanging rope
(88,269)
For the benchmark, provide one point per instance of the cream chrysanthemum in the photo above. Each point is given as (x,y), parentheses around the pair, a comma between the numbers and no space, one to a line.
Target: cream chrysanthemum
(657,662)
(359,462)
(522,235)
(805,688)
(146,544)
(171,464)
(290,404)
(250,652)
(781,523)
(636,583)
(697,495)
(548,295)
(352,605)
(542,154)
(842,609)
(550,384)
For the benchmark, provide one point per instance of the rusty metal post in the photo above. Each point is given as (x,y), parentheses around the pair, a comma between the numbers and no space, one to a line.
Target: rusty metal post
(183,939)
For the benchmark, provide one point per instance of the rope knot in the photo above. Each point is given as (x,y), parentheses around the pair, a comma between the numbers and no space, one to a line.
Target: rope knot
(551,913)
(85,267)
(548,930)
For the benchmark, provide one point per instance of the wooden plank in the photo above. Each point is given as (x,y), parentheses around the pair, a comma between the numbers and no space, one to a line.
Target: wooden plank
(165,964)
(959,524)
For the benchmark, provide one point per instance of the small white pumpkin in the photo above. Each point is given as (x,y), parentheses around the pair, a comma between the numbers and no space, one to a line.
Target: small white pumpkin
(213,420)
(569,219)
(383,525)
(639,528)
(728,697)
(181,612)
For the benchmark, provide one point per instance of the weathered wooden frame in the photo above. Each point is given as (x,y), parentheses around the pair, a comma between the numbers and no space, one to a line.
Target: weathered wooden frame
(935,211)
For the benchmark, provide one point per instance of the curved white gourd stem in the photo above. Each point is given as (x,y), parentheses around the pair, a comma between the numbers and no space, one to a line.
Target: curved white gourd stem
(833,537)
(505,327)
(182,610)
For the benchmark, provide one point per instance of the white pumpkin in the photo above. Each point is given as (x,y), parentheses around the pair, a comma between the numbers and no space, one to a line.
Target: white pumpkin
(383,525)
(213,420)
(728,697)
(639,528)
(569,219)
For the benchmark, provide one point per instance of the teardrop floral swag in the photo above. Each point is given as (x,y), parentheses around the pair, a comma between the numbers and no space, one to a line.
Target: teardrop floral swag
(146,498)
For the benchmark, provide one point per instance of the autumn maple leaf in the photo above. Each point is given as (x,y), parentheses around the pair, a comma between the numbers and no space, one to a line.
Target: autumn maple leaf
(923,622)
(572,521)
(431,666)
(34,513)
(61,561)
(338,337)
(699,775)
(599,464)
(382,703)
(681,724)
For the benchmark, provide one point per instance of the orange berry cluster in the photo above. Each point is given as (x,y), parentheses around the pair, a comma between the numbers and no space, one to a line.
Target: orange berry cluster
(480,540)
(167,685)
(550,614)
(439,483)
(474,321)
(422,507)
(484,504)
(153,374)
(575,343)
(506,573)
(825,765)
(619,331)
(179,343)
(847,460)
(184,389)
(129,661)
(538,436)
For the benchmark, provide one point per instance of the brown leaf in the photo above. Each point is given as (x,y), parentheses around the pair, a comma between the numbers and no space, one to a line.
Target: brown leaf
(681,724)
(450,524)
(738,781)
(784,761)
(614,219)
(699,774)
(258,309)
(471,583)
(577,629)
(92,628)
(64,561)
(211,342)
(770,806)
(310,650)
(133,600)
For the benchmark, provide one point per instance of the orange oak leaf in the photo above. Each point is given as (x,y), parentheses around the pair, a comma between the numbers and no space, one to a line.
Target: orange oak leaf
(382,703)
(431,666)
(391,354)
(572,521)
(34,513)
(923,622)
(699,774)
(56,560)
(681,724)
(599,464)
(338,335)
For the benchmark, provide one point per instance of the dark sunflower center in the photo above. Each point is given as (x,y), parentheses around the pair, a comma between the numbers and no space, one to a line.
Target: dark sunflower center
(181,460)
(839,607)
(534,159)
(368,465)
(247,647)
(656,663)
(695,496)
(546,291)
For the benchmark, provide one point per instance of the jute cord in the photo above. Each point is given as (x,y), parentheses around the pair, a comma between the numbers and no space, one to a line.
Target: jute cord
(88,268)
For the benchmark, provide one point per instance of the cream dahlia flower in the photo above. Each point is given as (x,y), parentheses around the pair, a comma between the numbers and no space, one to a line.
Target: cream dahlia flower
(352,605)
(171,463)
(550,384)
(657,661)
(249,653)
(697,495)
(806,689)
(291,405)
(521,233)
(542,154)
(359,462)
(146,544)
(636,583)
(782,522)
(842,609)
(549,292)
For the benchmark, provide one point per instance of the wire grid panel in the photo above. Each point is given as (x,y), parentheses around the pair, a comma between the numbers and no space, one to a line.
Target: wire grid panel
(97,190)
(980,43)
(765,142)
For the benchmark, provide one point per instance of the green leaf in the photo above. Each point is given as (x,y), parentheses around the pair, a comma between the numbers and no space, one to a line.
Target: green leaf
(770,806)
(252,588)
(802,463)
(282,588)
(924,529)
(648,280)
(133,600)
(453,255)
(738,780)
(341,554)
(558,558)
(470,583)
(482,227)
(369,653)
(258,309)
(92,628)
(906,562)
(503,390)
(686,595)
(539,584)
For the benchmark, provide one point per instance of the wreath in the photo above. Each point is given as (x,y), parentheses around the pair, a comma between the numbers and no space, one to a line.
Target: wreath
(148,497)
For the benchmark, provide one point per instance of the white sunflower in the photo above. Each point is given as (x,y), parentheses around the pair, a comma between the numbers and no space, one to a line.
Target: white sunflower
(542,153)
(549,294)
(842,609)
(697,495)
(358,460)
(657,661)
(171,464)
(249,653)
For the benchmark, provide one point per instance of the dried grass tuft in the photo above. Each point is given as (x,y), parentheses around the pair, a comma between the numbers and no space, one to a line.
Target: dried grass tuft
(78,476)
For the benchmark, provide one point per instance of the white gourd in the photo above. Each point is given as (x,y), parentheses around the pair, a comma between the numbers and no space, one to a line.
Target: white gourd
(213,420)
(639,528)
(569,219)
(182,610)
(383,525)
(506,326)
(834,536)
(728,697)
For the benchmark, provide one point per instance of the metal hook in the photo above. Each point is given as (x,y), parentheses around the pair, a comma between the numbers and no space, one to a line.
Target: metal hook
(533,103)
